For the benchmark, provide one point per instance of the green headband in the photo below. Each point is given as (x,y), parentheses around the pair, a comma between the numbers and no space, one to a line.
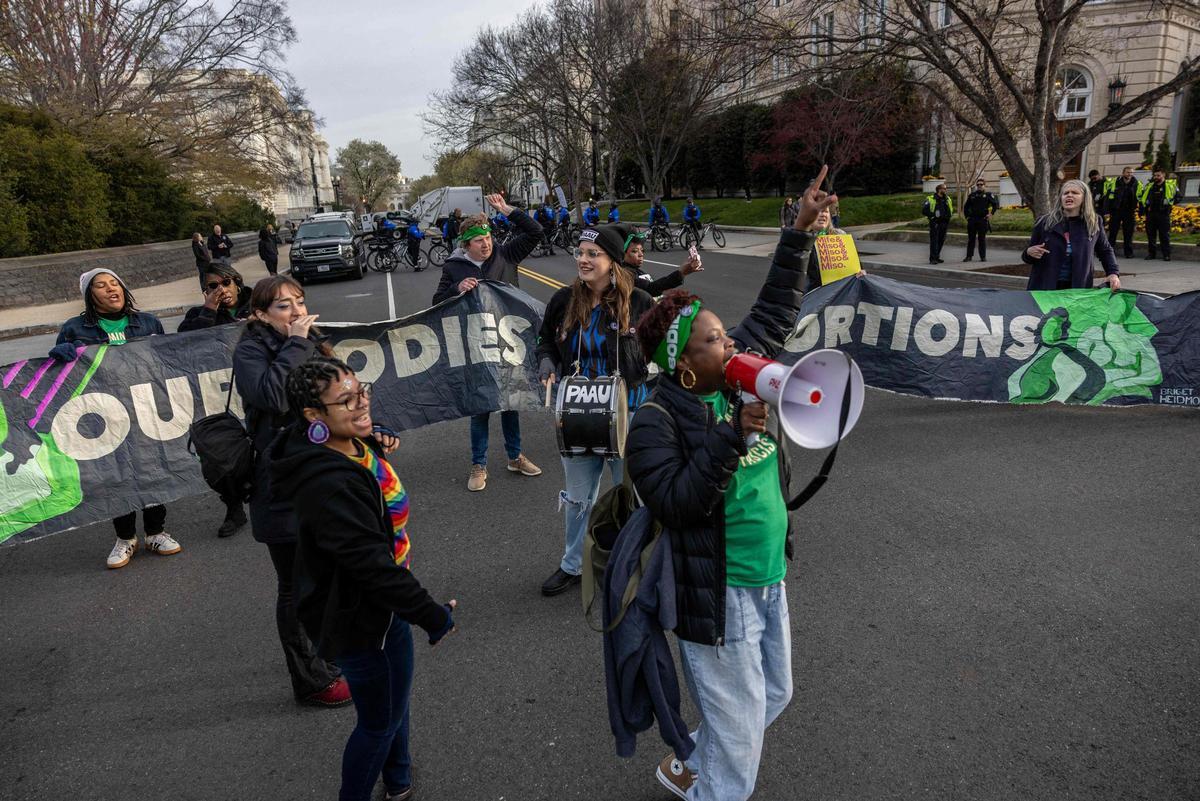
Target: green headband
(471,233)
(667,353)
(634,237)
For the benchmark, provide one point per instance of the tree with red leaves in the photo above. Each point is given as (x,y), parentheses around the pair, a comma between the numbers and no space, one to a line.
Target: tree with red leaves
(841,123)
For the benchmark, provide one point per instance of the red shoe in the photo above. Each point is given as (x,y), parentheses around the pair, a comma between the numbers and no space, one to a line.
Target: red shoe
(336,694)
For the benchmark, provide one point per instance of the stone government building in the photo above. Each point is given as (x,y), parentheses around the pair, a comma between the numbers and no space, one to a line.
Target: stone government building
(1140,44)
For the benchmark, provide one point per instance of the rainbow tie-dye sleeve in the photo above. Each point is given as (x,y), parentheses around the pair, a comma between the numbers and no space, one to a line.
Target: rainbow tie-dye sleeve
(396,501)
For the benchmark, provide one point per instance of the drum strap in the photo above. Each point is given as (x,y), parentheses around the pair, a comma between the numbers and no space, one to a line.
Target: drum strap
(814,486)
(579,345)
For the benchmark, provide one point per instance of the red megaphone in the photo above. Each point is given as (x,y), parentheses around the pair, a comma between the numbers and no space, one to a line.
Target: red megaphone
(807,396)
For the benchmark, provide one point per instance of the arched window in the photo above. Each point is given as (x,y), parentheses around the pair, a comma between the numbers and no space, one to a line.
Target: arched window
(1074,88)
(391,206)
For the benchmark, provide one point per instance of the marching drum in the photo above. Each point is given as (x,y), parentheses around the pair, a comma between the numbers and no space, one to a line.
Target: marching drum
(592,416)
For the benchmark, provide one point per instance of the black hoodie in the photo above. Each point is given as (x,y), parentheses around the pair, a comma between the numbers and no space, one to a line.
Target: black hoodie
(348,586)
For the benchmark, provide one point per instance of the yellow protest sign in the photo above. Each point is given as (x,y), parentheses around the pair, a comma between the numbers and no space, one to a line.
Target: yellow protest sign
(836,256)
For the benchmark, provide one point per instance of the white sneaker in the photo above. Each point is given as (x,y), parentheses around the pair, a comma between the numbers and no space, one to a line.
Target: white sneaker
(122,552)
(163,544)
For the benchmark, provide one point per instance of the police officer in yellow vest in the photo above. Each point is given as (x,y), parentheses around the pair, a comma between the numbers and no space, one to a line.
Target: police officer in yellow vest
(1120,203)
(1155,200)
(938,208)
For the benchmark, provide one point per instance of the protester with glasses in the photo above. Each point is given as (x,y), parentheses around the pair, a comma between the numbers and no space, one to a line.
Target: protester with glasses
(279,337)
(357,596)
(226,300)
(588,329)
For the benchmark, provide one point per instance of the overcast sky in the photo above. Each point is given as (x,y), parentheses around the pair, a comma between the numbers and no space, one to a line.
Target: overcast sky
(368,69)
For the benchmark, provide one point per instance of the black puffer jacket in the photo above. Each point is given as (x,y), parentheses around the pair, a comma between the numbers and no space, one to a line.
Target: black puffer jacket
(262,360)
(553,345)
(348,586)
(681,466)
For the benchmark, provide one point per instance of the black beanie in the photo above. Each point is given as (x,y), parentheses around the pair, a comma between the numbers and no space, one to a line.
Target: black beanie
(606,237)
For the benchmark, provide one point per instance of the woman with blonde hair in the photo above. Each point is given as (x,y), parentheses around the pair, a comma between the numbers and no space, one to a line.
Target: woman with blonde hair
(1064,242)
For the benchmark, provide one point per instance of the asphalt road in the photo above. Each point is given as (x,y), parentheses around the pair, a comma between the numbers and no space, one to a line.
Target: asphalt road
(988,602)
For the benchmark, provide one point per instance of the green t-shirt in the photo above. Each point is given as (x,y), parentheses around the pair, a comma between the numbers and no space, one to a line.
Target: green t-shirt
(115,329)
(755,512)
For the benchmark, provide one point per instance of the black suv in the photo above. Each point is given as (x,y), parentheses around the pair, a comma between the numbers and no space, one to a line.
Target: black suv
(327,248)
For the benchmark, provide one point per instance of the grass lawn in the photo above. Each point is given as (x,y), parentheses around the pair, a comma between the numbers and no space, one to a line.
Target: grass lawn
(1019,222)
(764,211)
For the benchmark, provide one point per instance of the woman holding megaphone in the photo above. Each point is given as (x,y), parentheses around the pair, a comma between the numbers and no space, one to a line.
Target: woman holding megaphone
(724,504)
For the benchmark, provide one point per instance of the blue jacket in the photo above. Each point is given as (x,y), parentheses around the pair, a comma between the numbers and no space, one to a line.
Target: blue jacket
(614,214)
(660,211)
(591,215)
(78,332)
(500,221)
(415,232)
(1043,272)
(639,673)
(544,215)
(691,213)
(563,214)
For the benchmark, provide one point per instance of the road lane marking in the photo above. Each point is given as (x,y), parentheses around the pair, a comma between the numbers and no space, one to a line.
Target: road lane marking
(361,295)
(663,263)
(545,279)
(391,298)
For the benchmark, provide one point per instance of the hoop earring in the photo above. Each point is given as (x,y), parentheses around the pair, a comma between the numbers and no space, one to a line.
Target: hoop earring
(687,371)
(318,432)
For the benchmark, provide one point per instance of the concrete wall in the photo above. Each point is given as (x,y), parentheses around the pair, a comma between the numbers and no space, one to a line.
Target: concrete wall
(38,280)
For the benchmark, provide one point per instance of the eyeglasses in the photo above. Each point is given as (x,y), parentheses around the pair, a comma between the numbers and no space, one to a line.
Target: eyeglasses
(589,254)
(214,284)
(358,400)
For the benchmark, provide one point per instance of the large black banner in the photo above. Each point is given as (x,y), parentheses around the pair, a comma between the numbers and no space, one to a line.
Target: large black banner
(106,433)
(1089,346)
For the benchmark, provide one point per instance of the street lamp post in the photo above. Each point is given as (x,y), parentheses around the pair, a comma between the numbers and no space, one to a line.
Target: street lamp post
(337,190)
(312,166)
(595,136)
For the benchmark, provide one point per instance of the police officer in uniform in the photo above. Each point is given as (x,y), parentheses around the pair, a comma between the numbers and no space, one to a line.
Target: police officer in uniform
(1120,203)
(1156,199)
(978,208)
(938,208)
(1096,190)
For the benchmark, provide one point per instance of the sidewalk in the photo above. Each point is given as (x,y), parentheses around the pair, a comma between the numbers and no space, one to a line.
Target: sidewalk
(1181,274)
(162,300)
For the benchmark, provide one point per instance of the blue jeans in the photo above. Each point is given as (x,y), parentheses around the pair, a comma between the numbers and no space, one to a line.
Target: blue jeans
(380,682)
(510,424)
(740,688)
(583,477)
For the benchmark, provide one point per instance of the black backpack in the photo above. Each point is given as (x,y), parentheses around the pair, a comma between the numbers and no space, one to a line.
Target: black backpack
(226,452)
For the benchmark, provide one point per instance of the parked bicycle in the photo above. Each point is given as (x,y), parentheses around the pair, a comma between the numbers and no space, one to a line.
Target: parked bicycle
(687,237)
(660,237)
(439,250)
(565,236)
(381,256)
(385,256)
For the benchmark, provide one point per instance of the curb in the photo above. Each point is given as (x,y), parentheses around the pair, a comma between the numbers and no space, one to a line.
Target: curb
(932,271)
(50,328)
